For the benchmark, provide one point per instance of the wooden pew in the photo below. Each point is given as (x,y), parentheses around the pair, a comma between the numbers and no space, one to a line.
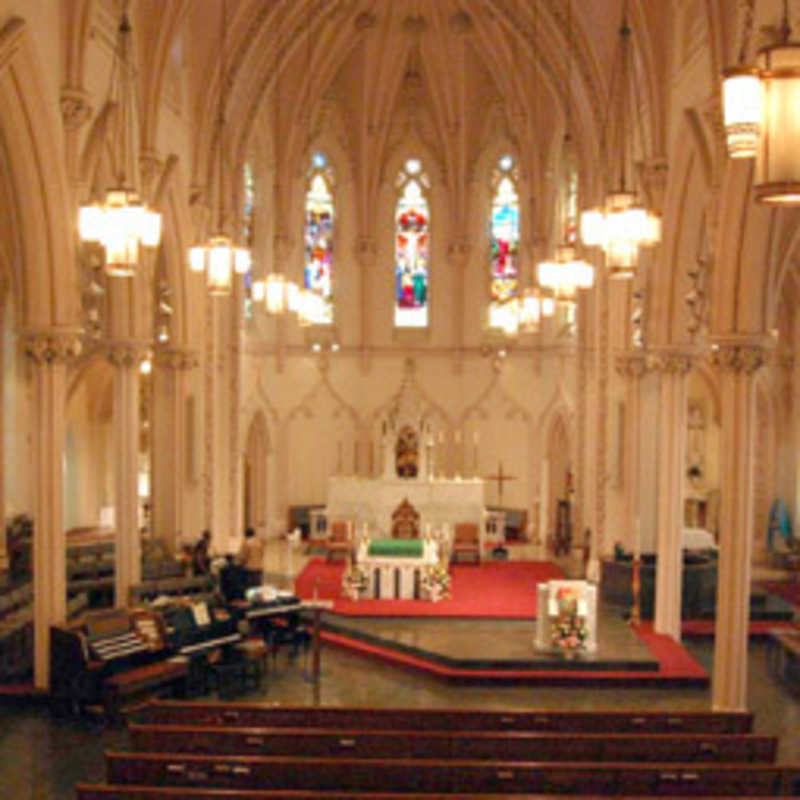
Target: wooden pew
(266,716)
(507,746)
(86,791)
(425,775)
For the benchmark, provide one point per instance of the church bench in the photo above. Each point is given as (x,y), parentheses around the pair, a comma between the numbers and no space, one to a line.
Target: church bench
(87,791)
(425,775)
(452,744)
(135,681)
(256,715)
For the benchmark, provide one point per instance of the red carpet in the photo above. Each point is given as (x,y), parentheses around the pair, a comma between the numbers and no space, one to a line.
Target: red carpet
(493,589)
(705,627)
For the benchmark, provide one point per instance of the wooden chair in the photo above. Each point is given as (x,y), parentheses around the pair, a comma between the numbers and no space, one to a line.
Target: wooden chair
(338,541)
(466,541)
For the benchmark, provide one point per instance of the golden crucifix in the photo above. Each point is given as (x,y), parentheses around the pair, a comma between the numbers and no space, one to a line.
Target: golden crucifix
(501,478)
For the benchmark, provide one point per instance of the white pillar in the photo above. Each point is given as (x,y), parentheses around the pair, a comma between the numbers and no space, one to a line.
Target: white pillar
(126,357)
(50,352)
(631,367)
(673,368)
(737,363)
(169,442)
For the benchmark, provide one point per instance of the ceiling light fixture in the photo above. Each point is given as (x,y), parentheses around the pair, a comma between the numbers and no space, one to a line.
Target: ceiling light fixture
(622,226)
(219,257)
(123,223)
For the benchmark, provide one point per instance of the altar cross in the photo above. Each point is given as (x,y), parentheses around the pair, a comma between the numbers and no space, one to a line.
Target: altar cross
(501,478)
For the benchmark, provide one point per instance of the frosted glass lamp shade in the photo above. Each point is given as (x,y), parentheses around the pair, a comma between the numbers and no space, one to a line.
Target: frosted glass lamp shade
(592,227)
(742,103)
(777,177)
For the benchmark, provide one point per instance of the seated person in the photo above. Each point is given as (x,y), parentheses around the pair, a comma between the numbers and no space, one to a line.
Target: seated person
(251,558)
(201,557)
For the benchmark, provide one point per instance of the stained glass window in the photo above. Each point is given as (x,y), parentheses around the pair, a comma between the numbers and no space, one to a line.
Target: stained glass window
(319,236)
(412,222)
(504,223)
(248,195)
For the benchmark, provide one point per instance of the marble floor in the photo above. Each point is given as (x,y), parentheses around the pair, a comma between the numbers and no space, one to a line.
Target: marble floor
(42,757)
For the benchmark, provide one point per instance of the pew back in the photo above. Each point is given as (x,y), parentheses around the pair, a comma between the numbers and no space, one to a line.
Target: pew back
(424,775)
(85,791)
(508,746)
(255,715)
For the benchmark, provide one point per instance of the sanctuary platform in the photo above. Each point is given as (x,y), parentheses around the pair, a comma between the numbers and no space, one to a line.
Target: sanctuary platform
(486,633)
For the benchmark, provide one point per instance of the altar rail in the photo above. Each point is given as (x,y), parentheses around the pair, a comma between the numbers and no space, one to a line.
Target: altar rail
(424,775)
(431,719)
(716,748)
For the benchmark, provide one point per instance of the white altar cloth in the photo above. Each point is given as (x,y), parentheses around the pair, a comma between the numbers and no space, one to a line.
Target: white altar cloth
(371,501)
(395,577)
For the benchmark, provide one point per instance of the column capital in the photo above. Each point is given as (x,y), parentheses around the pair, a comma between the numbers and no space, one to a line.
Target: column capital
(630,364)
(175,358)
(75,107)
(364,250)
(55,346)
(458,252)
(675,362)
(740,355)
(126,352)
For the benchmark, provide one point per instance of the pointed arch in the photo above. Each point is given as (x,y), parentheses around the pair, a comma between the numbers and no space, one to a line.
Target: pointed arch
(44,263)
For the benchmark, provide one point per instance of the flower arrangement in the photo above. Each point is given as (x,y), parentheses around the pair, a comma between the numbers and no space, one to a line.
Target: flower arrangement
(354,581)
(435,582)
(569,631)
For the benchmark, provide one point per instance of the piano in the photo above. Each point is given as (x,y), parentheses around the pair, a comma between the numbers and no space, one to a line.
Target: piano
(104,649)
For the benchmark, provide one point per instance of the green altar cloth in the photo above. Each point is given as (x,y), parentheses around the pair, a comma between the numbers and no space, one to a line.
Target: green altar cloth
(397,548)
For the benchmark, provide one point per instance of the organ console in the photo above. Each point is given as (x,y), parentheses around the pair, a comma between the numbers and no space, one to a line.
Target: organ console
(97,659)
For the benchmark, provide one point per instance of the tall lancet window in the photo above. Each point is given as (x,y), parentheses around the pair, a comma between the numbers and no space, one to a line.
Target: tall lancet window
(412,247)
(319,237)
(569,195)
(504,223)
(248,201)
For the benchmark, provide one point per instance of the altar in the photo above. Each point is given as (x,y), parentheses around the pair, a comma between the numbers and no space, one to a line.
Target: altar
(370,502)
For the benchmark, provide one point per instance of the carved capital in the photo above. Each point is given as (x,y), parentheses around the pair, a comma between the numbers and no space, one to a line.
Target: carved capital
(52,347)
(126,353)
(150,166)
(75,108)
(654,180)
(365,21)
(365,250)
(458,253)
(674,362)
(742,356)
(631,365)
(175,358)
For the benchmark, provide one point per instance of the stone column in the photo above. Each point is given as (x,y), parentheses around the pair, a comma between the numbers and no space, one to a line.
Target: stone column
(737,362)
(673,368)
(631,367)
(126,357)
(458,254)
(50,352)
(169,441)
(365,255)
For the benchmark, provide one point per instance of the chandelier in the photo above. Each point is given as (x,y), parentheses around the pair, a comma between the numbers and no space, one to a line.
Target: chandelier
(565,274)
(123,223)
(760,112)
(219,257)
(622,225)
